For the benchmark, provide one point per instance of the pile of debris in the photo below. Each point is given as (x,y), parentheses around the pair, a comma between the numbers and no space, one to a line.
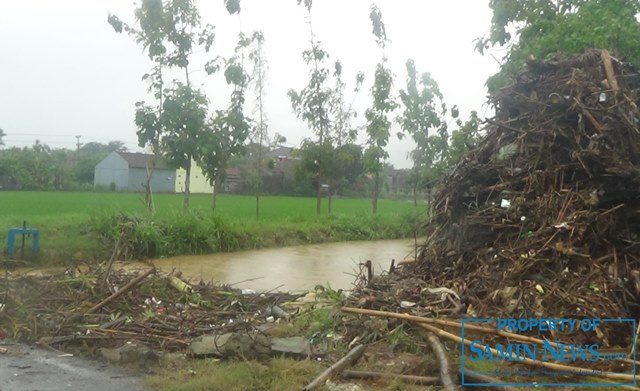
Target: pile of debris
(542,219)
(89,306)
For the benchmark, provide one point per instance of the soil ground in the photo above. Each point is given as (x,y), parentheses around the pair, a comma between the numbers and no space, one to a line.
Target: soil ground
(23,368)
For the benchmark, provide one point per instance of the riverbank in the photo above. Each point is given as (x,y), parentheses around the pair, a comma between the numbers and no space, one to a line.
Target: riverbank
(87,226)
(188,336)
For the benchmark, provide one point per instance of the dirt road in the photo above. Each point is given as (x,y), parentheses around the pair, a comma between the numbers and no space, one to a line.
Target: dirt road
(23,368)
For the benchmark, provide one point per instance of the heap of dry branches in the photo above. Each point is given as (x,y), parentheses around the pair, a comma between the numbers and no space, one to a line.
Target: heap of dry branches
(543,217)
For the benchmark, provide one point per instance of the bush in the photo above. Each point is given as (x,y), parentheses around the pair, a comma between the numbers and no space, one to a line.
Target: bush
(141,237)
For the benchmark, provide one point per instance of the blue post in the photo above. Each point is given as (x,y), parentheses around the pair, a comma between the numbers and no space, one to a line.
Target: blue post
(11,239)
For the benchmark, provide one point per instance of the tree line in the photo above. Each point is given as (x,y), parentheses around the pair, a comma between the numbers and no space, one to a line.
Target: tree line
(179,126)
(40,167)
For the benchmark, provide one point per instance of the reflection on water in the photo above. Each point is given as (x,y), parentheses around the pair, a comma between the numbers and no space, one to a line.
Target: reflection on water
(290,268)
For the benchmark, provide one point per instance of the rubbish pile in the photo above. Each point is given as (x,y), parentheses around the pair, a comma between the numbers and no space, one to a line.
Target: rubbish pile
(101,309)
(542,219)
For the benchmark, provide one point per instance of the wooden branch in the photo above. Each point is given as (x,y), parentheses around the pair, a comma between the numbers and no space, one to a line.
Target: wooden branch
(535,363)
(445,376)
(365,375)
(351,357)
(122,290)
(495,383)
(114,255)
(593,120)
(447,323)
(608,69)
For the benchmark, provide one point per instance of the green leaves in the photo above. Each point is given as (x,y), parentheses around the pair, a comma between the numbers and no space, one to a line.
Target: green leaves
(116,23)
(377,24)
(233,6)
(148,124)
(545,27)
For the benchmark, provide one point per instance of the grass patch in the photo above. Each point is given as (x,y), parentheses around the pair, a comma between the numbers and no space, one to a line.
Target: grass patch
(279,374)
(80,226)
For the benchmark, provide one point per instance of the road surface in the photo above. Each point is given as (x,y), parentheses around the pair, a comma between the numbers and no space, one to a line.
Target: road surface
(23,368)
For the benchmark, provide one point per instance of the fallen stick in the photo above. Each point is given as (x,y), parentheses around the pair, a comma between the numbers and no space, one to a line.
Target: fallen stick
(593,120)
(353,355)
(608,69)
(114,255)
(495,383)
(449,323)
(535,363)
(365,375)
(122,290)
(467,327)
(445,376)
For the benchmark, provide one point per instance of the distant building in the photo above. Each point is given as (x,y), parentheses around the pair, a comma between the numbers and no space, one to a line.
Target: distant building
(199,183)
(126,171)
(281,153)
(397,180)
(232,180)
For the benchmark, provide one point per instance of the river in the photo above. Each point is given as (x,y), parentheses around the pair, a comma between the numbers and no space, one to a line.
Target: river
(290,268)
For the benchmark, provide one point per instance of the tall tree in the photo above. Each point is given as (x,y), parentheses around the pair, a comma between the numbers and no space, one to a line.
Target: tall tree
(152,32)
(541,27)
(311,104)
(342,129)
(260,133)
(172,31)
(228,130)
(423,119)
(2,134)
(378,123)
(185,125)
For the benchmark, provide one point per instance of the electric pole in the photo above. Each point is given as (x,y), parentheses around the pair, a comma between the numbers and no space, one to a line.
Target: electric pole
(78,144)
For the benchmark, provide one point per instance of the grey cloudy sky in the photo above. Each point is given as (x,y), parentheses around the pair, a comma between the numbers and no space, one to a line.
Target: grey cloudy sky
(65,72)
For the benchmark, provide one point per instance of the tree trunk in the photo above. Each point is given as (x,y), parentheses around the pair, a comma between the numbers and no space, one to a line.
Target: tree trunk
(214,193)
(415,195)
(187,184)
(330,196)
(148,196)
(319,196)
(257,206)
(376,188)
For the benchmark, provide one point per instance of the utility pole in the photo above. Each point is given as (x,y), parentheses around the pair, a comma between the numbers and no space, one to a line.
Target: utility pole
(78,144)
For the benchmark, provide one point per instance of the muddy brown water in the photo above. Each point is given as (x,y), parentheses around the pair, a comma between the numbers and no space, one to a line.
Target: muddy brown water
(290,268)
(285,269)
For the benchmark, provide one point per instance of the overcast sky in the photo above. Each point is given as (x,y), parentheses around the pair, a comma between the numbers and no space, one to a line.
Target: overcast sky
(65,72)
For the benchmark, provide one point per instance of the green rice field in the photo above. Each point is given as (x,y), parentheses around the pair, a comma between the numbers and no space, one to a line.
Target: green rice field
(72,225)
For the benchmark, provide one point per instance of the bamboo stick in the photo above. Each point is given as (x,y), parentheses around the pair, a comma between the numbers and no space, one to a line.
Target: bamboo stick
(530,362)
(608,69)
(353,355)
(122,290)
(449,323)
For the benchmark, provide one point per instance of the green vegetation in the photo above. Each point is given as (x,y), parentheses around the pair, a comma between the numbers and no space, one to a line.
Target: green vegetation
(542,28)
(279,374)
(87,225)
